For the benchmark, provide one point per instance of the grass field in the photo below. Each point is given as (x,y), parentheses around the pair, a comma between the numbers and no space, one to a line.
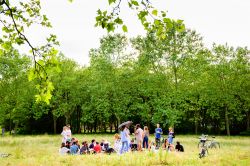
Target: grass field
(43,150)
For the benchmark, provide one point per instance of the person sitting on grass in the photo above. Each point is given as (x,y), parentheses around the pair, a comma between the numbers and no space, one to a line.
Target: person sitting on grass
(179,147)
(77,143)
(133,145)
(84,149)
(63,150)
(68,144)
(97,148)
(92,145)
(170,148)
(107,148)
(165,144)
(102,144)
(152,147)
(74,148)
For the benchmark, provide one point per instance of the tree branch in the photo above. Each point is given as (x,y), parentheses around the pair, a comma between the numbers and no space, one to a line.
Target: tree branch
(22,36)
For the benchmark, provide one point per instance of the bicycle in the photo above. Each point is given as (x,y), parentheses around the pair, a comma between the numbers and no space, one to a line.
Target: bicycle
(159,142)
(204,144)
(210,143)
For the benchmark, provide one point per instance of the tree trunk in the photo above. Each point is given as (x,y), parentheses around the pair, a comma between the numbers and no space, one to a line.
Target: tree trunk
(116,126)
(248,121)
(196,124)
(111,127)
(10,123)
(84,128)
(227,121)
(196,127)
(67,116)
(54,123)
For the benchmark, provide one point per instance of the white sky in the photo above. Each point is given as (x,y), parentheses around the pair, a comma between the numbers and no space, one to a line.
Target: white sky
(218,21)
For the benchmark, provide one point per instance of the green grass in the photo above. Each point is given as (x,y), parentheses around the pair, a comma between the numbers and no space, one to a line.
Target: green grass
(43,150)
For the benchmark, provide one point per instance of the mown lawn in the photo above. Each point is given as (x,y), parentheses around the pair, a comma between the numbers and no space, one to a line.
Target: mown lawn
(43,150)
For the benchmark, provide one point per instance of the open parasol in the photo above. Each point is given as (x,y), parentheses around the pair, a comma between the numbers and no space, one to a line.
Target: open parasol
(128,123)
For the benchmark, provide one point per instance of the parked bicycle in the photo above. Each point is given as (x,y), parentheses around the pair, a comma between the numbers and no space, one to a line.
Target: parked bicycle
(209,143)
(204,144)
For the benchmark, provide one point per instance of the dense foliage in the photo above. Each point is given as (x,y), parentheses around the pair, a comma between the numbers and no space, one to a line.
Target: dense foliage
(175,82)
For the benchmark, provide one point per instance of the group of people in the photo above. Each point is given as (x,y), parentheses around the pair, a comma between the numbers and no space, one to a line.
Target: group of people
(123,142)
(141,141)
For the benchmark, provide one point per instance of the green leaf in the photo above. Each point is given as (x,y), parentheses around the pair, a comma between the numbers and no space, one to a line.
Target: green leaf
(135,3)
(124,28)
(155,12)
(157,22)
(118,20)
(111,1)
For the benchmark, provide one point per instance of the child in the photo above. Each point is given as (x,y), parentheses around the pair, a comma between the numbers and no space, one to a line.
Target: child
(152,147)
(92,145)
(97,148)
(133,145)
(74,148)
(63,150)
(68,132)
(170,136)
(84,149)
(64,134)
(117,143)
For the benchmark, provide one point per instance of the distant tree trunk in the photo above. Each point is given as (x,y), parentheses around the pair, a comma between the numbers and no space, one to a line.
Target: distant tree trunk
(196,127)
(105,129)
(54,123)
(116,126)
(91,129)
(248,120)
(227,121)
(95,127)
(84,129)
(10,123)
(196,122)
(67,117)
(111,127)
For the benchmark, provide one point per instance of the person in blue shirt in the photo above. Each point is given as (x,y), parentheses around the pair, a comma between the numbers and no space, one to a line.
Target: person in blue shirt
(124,140)
(74,148)
(171,135)
(158,132)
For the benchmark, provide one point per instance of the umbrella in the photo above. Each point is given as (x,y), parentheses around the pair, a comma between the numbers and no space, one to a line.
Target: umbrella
(128,123)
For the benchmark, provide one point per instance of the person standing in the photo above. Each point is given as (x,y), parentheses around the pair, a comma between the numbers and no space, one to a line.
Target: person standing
(170,135)
(124,140)
(138,136)
(158,132)
(64,134)
(68,131)
(128,135)
(145,137)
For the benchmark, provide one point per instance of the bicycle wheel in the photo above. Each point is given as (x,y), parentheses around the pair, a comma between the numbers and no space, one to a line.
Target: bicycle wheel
(215,145)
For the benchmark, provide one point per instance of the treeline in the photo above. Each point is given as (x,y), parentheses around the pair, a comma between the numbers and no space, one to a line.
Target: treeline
(175,82)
